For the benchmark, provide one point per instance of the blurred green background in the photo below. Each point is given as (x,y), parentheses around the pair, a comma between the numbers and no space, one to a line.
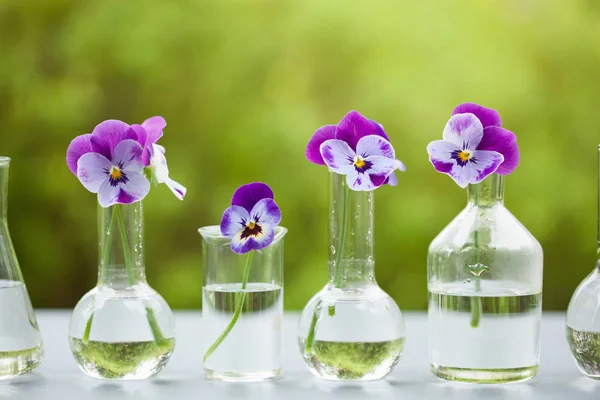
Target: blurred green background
(244,84)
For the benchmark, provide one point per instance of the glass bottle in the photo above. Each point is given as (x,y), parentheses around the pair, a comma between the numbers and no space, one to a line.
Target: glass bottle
(242,317)
(485,293)
(122,329)
(351,329)
(583,319)
(21,348)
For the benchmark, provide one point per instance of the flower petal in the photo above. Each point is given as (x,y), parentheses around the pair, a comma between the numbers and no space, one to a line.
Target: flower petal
(159,165)
(78,147)
(464,130)
(140,133)
(361,182)
(354,126)
(178,189)
(338,156)
(92,171)
(128,154)
(504,142)
(440,155)
(391,180)
(135,189)
(487,116)
(374,145)
(234,220)
(248,195)
(267,212)
(154,127)
(484,163)
(241,245)
(108,134)
(313,152)
(381,169)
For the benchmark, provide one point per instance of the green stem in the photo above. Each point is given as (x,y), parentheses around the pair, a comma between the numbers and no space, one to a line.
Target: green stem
(476,306)
(238,308)
(339,273)
(154,327)
(103,268)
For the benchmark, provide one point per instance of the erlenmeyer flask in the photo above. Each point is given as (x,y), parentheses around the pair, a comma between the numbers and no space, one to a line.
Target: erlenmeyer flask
(20,341)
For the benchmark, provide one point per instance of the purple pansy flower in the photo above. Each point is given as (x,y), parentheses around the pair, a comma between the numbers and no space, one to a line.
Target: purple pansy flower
(358,148)
(251,220)
(153,155)
(474,146)
(109,162)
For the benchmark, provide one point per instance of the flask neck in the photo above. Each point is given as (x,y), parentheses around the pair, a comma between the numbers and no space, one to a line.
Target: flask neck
(487,193)
(4,164)
(121,244)
(350,234)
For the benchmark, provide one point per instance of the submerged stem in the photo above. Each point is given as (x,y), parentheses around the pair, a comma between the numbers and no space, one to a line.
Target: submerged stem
(476,306)
(339,273)
(238,308)
(154,327)
(103,268)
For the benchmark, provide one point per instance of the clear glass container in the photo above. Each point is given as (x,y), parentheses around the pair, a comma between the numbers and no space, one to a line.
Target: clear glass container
(122,329)
(21,348)
(243,346)
(351,329)
(583,319)
(485,293)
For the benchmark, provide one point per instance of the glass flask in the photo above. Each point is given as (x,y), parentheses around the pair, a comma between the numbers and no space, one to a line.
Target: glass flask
(351,329)
(243,321)
(583,320)
(485,293)
(122,329)
(21,348)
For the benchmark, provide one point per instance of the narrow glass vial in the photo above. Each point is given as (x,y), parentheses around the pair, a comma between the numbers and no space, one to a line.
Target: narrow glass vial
(122,329)
(20,342)
(485,293)
(244,346)
(351,329)
(583,319)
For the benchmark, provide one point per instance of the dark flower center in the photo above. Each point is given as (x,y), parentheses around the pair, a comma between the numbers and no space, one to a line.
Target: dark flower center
(362,165)
(251,229)
(463,157)
(116,175)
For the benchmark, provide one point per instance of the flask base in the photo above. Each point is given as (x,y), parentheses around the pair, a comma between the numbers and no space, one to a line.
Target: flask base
(469,375)
(14,363)
(231,376)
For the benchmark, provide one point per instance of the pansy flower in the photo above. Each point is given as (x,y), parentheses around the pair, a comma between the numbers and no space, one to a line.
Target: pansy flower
(474,146)
(153,155)
(251,220)
(358,148)
(109,162)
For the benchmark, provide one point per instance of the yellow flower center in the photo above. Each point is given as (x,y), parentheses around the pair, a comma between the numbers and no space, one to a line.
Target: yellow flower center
(465,155)
(115,173)
(359,163)
(251,225)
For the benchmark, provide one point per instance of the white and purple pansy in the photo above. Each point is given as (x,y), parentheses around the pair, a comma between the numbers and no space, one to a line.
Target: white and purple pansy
(251,220)
(358,148)
(109,162)
(112,161)
(474,146)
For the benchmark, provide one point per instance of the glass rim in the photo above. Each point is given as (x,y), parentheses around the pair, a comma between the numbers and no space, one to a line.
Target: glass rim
(214,232)
(4,161)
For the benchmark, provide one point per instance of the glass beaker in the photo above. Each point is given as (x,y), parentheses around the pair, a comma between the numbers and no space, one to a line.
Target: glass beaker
(122,329)
(485,293)
(243,346)
(21,347)
(583,318)
(351,329)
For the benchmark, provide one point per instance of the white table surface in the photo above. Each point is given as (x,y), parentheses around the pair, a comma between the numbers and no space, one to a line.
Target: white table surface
(59,378)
